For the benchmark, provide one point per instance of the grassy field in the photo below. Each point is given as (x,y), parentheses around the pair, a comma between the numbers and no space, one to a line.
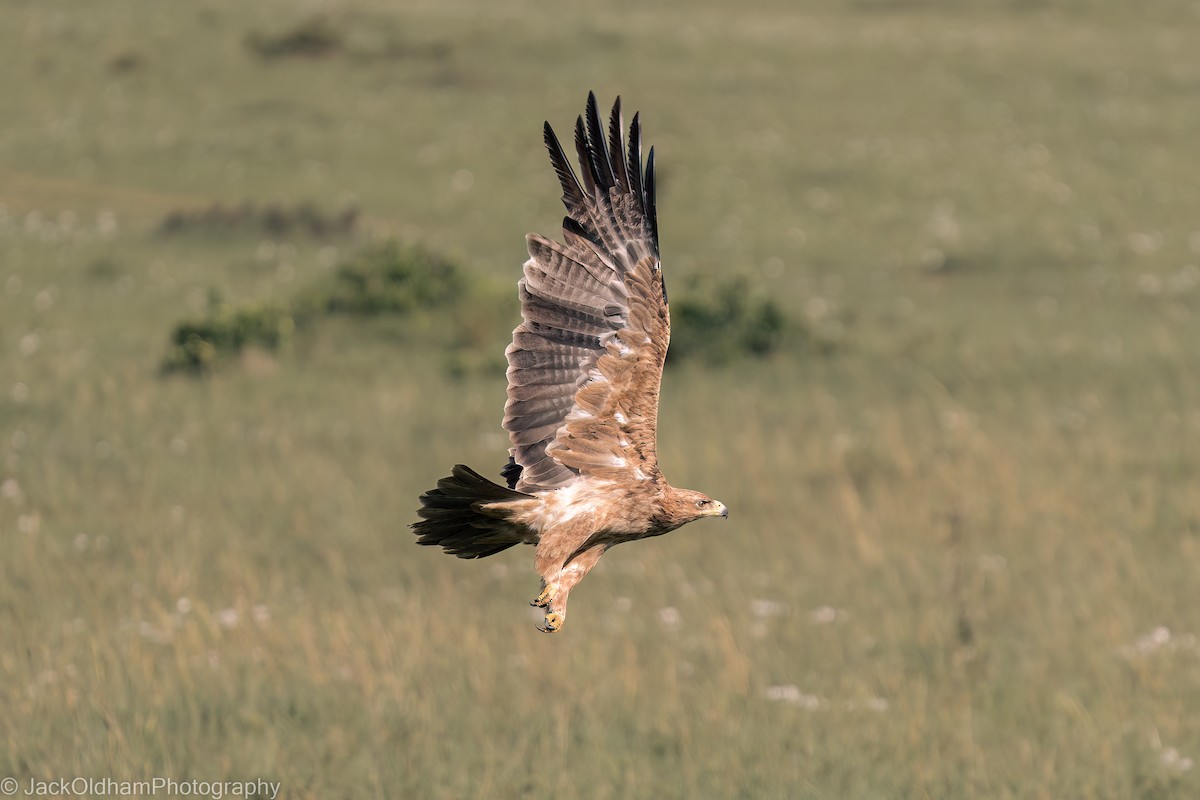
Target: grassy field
(964,539)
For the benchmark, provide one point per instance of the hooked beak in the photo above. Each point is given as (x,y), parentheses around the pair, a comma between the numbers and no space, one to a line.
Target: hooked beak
(721,511)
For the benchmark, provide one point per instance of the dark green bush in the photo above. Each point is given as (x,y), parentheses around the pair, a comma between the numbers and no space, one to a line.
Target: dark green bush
(199,345)
(391,279)
(272,218)
(725,320)
(313,37)
(384,279)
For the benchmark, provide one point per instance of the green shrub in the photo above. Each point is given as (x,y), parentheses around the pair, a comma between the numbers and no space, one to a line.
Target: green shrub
(726,320)
(391,279)
(199,345)
(273,218)
(384,279)
(313,37)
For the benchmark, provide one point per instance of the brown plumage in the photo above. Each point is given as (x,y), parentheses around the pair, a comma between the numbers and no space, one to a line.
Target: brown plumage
(584,370)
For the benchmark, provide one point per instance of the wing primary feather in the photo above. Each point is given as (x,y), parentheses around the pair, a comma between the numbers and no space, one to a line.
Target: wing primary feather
(616,146)
(586,167)
(573,195)
(598,149)
(651,203)
(634,166)
(571,225)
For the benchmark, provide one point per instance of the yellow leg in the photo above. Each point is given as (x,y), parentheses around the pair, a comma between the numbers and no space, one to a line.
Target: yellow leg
(544,599)
(554,621)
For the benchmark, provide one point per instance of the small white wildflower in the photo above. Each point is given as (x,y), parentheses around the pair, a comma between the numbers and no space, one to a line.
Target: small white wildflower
(227,617)
(669,617)
(1172,760)
(944,226)
(790,693)
(815,308)
(81,542)
(782,692)
(29,344)
(261,614)
(992,563)
(1145,243)
(1149,283)
(106,223)
(825,615)
(10,490)
(462,180)
(183,605)
(1188,277)
(766,608)
(1157,639)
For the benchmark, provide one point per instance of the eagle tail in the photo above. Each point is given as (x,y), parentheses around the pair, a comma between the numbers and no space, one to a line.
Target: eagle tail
(452,516)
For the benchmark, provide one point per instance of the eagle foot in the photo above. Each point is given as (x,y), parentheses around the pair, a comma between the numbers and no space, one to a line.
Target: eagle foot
(546,597)
(554,621)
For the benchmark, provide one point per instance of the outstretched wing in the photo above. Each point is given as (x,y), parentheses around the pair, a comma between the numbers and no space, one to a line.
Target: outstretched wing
(585,365)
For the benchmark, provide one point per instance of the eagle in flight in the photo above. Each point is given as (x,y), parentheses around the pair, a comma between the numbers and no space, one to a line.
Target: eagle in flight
(584,370)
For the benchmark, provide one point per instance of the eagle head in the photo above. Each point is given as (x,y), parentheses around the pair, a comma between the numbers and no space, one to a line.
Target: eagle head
(684,506)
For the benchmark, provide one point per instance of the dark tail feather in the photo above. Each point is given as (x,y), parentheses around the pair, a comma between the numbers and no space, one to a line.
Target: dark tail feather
(451,519)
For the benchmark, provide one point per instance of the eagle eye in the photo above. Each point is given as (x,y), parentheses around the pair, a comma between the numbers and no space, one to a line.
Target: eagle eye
(703,503)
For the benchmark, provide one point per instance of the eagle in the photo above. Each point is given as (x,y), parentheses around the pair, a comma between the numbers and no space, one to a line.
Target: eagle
(584,370)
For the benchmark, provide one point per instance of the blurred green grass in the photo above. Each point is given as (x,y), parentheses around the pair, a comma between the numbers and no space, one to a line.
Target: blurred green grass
(952,539)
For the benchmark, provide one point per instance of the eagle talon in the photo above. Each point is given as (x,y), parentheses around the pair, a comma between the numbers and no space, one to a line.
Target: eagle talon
(544,599)
(554,621)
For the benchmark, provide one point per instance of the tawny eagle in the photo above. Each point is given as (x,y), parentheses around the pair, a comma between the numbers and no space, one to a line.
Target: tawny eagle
(584,370)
